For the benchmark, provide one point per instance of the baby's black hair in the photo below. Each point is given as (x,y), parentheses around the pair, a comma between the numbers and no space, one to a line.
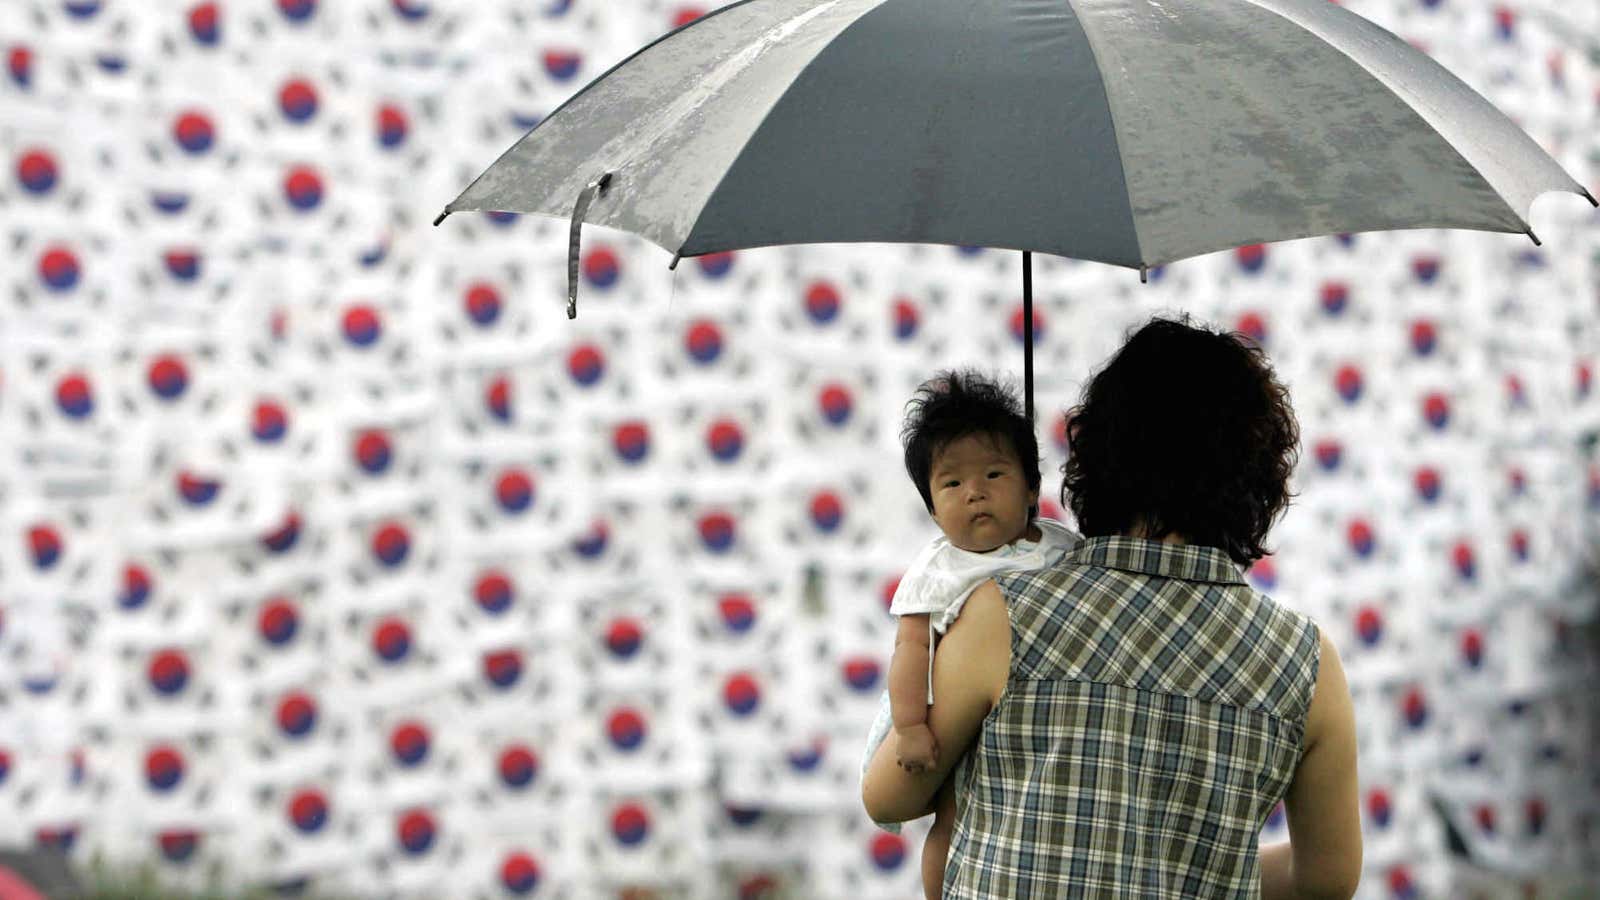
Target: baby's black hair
(955,404)
(1187,430)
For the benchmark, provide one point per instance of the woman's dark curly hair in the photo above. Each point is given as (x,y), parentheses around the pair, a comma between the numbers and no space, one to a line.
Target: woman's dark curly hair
(957,403)
(1188,430)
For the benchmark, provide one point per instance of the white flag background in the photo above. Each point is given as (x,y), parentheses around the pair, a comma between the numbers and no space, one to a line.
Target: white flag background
(332,552)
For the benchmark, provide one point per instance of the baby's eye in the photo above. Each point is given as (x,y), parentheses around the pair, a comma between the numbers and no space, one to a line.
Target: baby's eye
(996,474)
(951,483)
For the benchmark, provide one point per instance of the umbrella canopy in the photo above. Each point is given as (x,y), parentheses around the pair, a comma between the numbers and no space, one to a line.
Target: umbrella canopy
(1131,132)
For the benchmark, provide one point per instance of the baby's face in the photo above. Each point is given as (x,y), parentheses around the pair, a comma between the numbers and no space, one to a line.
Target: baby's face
(980,496)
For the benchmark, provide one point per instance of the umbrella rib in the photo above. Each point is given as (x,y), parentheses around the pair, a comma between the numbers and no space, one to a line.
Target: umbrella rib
(450,207)
(1428,112)
(1092,40)
(776,101)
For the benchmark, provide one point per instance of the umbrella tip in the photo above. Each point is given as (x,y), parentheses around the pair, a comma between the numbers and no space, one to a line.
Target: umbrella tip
(1144,274)
(1590,197)
(1535,237)
(673,266)
(441,217)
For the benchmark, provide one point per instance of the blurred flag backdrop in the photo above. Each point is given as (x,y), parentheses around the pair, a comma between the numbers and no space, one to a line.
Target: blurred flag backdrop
(332,553)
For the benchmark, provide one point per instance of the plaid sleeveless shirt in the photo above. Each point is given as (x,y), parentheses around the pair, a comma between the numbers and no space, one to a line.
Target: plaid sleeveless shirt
(1152,719)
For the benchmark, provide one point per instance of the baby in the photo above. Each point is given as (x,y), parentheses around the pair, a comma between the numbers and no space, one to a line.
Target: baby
(973,457)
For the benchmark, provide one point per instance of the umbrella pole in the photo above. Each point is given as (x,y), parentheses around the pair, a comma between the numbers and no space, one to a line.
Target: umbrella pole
(1027,332)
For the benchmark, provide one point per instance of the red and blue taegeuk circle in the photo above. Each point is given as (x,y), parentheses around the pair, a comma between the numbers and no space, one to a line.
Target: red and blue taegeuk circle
(392,125)
(494,592)
(1328,453)
(887,851)
(204,26)
(725,440)
(601,268)
(1362,537)
(373,451)
(626,729)
(586,364)
(167,376)
(482,303)
(497,398)
(827,511)
(1347,381)
(193,131)
(624,636)
(1424,337)
(391,544)
(308,810)
(1425,268)
(416,830)
(905,319)
(562,65)
(860,673)
(58,268)
(163,768)
(1017,324)
(1436,410)
(1369,625)
(278,621)
(518,766)
(737,612)
(197,490)
(630,824)
(296,714)
(391,639)
(168,672)
(283,538)
(408,743)
(37,170)
(514,491)
(716,265)
(631,441)
(269,422)
(44,546)
(361,325)
(136,587)
(591,544)
(822,302)
(1253,326)
(741,694)
(178,844)
(1428,483)
(297,100)
(75,396)
(1251,257)
(1334,297)
(503,668)
(717,532)
(703,341)
(835,403)
(303,188)
(519,872)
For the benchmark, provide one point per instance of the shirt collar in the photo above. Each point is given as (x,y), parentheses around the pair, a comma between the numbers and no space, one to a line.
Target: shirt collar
(1190,562)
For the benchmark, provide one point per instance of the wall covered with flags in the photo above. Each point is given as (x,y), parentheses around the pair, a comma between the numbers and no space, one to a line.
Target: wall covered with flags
(333,553)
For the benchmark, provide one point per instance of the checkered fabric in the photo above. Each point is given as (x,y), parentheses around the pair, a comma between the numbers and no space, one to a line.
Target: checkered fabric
(1153,718)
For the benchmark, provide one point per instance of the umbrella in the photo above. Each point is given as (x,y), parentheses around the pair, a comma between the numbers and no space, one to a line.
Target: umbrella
(1129,132)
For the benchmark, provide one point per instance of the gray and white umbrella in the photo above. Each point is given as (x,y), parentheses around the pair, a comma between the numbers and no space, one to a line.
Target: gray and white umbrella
(1131,132)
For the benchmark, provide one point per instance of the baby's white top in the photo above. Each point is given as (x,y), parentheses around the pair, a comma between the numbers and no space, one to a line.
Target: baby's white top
(943,576)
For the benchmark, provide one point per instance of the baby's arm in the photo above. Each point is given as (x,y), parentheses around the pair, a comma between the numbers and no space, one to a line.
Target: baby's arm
(908,693)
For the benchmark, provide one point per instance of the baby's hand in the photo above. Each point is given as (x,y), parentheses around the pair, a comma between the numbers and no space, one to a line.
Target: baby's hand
(918,750)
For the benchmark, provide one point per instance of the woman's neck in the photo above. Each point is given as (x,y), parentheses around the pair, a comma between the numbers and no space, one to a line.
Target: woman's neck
(1140,531)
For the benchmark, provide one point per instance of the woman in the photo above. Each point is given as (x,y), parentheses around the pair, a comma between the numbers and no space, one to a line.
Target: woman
(1135,712)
